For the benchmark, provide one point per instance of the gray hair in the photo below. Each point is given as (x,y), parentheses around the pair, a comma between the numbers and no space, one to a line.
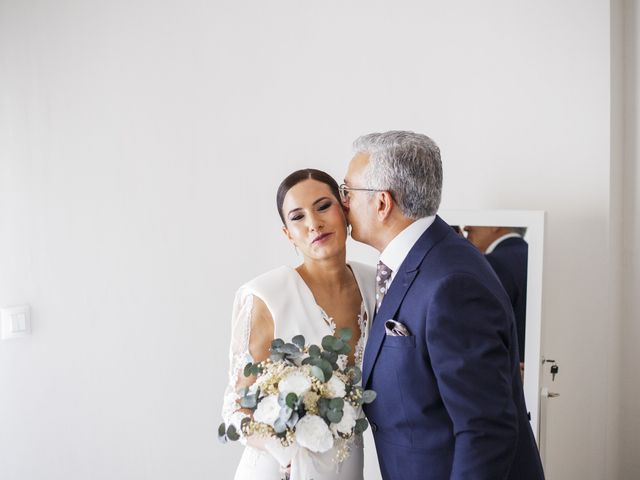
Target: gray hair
(408,165)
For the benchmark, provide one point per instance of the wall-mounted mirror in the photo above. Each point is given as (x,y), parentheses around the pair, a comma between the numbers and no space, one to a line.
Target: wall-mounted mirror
(512,241)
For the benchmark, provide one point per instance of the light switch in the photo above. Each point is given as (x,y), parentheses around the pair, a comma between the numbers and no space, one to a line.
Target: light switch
(16,321)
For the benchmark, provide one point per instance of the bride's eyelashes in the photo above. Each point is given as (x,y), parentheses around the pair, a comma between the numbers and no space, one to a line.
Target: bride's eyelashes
(321,208)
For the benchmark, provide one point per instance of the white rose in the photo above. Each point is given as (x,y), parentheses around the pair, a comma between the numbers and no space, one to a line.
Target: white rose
(295,382)
(336,386)
(313,434)
(268,410)
(348,420)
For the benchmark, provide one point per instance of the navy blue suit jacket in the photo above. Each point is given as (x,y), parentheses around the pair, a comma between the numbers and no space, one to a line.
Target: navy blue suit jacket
(450,403)
(509,261)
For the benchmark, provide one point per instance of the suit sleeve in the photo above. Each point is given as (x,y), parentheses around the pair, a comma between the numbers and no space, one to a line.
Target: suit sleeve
(468,339)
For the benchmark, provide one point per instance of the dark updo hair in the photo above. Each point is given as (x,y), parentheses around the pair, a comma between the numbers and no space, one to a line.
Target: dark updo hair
(300,176)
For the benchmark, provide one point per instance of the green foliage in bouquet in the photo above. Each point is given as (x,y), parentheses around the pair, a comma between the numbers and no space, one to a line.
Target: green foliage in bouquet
(323,363)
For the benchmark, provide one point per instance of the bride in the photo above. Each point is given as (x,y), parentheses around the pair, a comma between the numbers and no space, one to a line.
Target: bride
(317,298)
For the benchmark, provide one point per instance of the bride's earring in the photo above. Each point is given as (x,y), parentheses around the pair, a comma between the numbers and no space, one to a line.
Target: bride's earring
(348,230)
(296,250)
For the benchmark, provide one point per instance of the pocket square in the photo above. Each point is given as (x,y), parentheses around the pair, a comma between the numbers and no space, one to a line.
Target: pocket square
(394,328)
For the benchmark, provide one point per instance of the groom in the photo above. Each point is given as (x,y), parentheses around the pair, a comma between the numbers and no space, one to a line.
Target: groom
(442,350)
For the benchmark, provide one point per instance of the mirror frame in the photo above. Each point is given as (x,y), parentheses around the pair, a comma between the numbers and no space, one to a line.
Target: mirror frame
(534,221)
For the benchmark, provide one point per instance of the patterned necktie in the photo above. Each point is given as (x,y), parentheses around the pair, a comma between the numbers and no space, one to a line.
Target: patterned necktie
(383,275)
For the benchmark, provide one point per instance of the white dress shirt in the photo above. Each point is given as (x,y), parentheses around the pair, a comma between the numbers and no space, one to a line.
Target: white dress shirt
(497,241)
(398,248)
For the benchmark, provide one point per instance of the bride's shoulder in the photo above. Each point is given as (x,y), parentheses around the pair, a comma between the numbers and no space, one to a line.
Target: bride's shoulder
(269,281)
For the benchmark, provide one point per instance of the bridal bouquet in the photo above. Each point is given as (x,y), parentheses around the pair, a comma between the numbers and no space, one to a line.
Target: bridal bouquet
(305,397)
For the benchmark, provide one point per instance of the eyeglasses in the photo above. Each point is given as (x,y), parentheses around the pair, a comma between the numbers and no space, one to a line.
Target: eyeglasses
(344,191)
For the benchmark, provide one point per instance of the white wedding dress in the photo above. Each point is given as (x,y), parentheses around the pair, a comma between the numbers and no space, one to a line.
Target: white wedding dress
(295,312)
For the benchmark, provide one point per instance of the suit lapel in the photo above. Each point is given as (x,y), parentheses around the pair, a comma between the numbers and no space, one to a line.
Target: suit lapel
(399,287)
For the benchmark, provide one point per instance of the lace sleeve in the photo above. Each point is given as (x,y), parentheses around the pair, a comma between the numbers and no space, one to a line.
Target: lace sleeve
(239,356)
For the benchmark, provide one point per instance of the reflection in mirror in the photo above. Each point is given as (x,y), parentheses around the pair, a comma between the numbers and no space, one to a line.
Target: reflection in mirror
(512,243)
(507,252)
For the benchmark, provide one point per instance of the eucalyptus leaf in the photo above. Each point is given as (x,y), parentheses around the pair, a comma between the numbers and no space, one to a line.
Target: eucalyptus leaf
(338,345)
(277,357)
(243,391)
(293,419)
(369,396)
(323,407)
(232,433)
(317,361)
(356,374)
(327,369)
(248,368)
(345,349)
(345,334)
(328,342)
(334,416)
(280,425)
(222,430)
(361,426)
(250,401)
(331,357)
(307,361)
(317,372)
(277,343)
(285,413)
(298,340)
(291,400)
(290,349)
(314,351)
(336,403)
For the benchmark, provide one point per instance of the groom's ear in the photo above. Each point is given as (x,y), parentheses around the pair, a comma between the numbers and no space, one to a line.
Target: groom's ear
(384,205)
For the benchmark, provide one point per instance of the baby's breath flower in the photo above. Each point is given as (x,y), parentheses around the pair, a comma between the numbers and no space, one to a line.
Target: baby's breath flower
(310,401)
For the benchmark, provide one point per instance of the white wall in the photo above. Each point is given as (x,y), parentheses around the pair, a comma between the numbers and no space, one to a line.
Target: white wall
(140,147)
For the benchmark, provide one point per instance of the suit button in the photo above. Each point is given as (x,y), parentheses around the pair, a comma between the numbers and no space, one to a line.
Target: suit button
(374,427)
